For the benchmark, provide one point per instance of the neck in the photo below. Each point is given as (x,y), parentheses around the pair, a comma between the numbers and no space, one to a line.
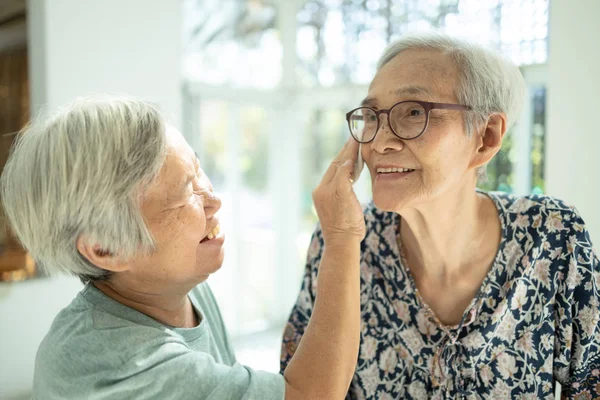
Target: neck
(171,309)
(443,237)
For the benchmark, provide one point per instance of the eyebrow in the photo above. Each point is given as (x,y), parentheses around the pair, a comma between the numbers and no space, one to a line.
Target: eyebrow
(177,195)
(186,183)
(401,92)
(190,178)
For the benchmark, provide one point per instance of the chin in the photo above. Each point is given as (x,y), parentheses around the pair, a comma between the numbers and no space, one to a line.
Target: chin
(219,260)
(390,202)
(213,265)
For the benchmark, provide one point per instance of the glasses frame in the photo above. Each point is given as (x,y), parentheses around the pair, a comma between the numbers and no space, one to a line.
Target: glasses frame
(427,106)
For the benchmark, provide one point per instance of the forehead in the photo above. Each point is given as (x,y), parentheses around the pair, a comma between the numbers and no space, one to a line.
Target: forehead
(179,163)
(431,71)
(179,158)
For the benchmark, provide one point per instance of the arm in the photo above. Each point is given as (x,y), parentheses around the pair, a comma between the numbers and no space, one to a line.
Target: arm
(326,355)
(303,308)
(577,366)
(324,362)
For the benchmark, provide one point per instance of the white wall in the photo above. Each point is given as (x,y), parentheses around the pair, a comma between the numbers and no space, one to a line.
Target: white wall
(573,136)
(81,47)
(110,46)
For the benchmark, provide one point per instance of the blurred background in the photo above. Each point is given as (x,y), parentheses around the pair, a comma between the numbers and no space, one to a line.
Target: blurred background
(260,89)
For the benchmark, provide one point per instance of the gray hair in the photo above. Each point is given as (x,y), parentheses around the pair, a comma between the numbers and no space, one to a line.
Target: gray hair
(488,81)
(80,172)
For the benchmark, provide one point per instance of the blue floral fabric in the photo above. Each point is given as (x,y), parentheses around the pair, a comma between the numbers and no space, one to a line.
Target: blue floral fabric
(534,320)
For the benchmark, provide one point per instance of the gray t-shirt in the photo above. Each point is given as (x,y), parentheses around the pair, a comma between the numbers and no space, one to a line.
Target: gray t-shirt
(98,348)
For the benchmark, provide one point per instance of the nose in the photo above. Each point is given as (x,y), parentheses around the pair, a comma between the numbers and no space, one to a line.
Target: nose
(385,140)
(212,204)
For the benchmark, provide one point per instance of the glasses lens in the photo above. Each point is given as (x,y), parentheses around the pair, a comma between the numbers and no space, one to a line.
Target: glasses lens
(363,124)
(408,119)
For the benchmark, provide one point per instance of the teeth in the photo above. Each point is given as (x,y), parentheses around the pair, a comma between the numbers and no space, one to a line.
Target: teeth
(214,233)
(389,170)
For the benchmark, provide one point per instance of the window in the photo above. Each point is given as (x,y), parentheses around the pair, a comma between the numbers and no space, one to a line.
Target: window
(231,43)
(267,84)
(339,41)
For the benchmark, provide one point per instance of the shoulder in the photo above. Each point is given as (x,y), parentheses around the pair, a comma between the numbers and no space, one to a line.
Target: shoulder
(540,214)
(553,229)
(90,342)
(530,204)
(82,329)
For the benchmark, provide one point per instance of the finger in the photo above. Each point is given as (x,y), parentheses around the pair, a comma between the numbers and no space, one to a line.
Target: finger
(331,171)
(348,152)
(335,164)
(343,177)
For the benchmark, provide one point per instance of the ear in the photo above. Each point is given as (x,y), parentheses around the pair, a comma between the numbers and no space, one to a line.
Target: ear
(99,256)
(489,141)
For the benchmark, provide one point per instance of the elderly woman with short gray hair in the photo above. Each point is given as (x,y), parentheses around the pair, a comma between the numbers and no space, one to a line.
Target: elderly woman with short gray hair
(106,191)
(464,294)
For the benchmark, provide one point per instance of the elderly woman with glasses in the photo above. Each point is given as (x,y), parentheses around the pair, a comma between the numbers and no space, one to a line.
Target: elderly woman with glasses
(464,294)
(105,190)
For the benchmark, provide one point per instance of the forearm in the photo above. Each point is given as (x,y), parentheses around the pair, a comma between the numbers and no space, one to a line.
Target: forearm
(323,364)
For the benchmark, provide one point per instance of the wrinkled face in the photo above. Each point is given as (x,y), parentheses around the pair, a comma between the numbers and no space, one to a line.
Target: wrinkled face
(440,159)
(179,208)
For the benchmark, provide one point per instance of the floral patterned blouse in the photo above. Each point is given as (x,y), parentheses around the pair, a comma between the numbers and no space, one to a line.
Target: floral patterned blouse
(534,320)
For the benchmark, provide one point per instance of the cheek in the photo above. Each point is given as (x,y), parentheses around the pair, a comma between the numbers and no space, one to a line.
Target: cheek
(186,224)
(192,219)
(446,159)
(441,145)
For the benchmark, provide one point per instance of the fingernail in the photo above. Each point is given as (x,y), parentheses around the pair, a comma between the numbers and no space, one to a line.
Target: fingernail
(347,162)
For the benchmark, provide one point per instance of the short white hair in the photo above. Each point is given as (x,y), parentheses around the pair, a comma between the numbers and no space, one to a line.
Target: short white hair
(82,171)
(488,82)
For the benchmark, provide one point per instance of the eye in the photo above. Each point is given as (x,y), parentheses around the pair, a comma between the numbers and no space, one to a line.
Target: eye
(369,118)
(415,112)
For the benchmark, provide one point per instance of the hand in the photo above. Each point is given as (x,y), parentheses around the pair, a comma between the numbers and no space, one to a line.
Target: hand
(338,208)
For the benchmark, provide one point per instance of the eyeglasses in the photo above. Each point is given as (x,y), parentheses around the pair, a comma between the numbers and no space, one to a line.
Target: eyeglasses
(407,119)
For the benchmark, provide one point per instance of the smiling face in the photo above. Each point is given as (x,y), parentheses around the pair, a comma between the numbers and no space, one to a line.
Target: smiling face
(179,209)
(408,173)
